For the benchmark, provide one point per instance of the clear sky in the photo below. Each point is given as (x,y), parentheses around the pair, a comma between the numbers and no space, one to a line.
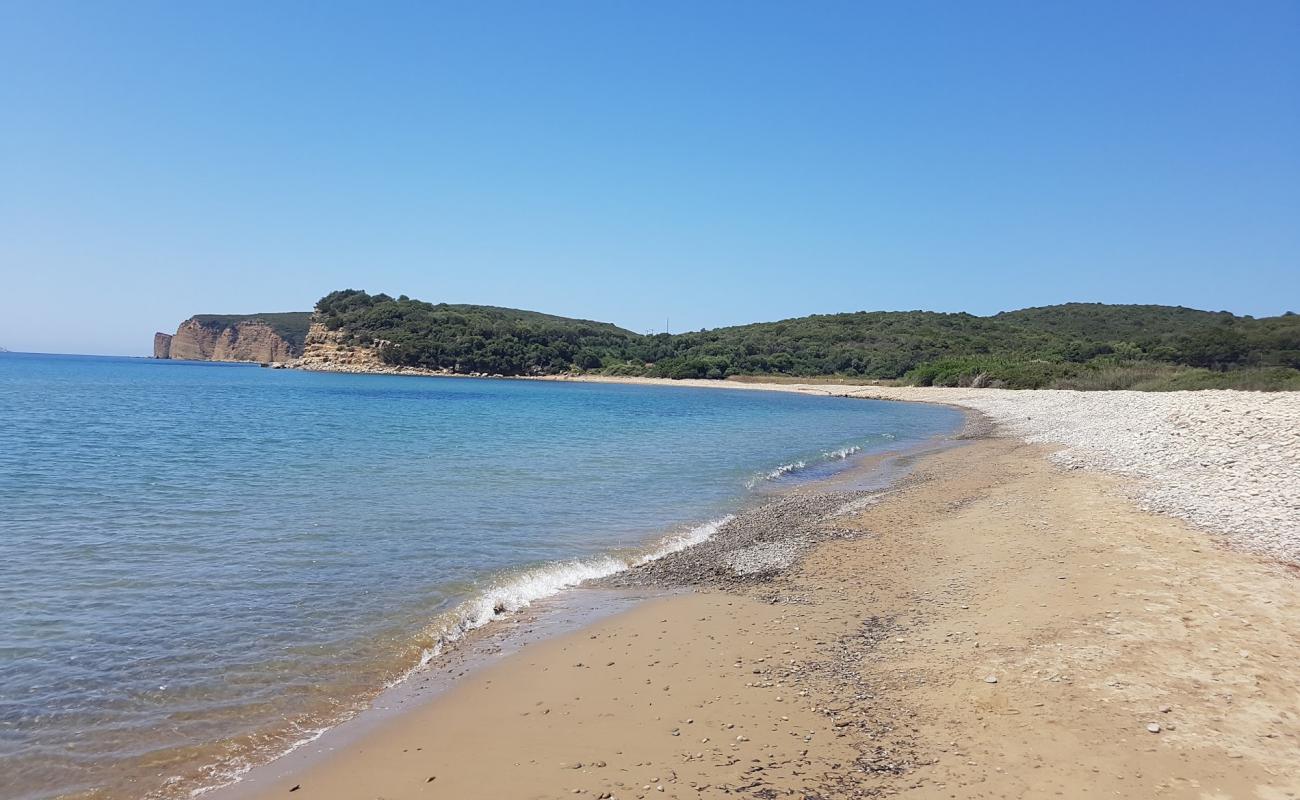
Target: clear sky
(711,162)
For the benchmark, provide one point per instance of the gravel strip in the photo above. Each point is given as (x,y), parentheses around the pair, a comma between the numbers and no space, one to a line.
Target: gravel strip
(752,547)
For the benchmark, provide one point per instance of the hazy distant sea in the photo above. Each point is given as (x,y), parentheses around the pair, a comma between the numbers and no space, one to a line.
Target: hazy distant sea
(201,564)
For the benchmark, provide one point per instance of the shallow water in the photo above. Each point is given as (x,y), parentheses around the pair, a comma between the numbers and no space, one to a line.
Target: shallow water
(201,564)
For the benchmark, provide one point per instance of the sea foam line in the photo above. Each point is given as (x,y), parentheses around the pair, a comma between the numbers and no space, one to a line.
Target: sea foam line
(523,589)
(507,597)
(838,454)
(784,469)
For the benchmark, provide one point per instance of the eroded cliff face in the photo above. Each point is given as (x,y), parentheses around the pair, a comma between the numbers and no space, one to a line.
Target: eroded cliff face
(221,338)
(250,340)
(326,350)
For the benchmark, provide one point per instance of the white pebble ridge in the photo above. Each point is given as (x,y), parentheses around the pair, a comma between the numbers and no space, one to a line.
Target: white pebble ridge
(1226,461)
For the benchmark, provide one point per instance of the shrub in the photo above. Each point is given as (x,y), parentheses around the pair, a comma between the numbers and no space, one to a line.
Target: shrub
(988,371)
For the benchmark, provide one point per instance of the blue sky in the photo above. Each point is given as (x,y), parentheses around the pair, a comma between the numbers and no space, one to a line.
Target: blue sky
(715,163)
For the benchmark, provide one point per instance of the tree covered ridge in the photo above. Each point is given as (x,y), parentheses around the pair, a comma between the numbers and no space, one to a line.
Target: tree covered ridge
(469,338)
(1026,348)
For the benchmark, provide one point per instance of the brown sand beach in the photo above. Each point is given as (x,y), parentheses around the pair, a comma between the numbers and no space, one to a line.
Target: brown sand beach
(999,624)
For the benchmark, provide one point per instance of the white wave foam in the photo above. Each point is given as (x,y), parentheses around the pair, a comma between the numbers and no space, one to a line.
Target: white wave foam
(514,593)
(520,591)
(526,588)
(838,454)
(678,542)
(784,469)
(842,453)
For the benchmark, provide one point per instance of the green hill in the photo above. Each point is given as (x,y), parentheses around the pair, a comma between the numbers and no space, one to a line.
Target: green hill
(468,338)
(1076,344)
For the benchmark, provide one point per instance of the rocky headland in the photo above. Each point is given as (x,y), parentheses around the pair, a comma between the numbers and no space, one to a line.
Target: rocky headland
(262,338)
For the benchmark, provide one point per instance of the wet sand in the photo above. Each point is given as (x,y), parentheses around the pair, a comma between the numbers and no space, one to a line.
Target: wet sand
(995,626)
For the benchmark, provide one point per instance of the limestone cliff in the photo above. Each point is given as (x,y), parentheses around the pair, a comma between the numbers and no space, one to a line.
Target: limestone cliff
(162,345)
(330,351)
(254,337)
(327,351)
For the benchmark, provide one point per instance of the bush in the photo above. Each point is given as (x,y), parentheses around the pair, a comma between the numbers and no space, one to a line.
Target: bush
(1271,379)
(1150,376)
(988,371)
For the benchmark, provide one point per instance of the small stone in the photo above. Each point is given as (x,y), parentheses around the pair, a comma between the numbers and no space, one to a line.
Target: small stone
(991,679)
(1166,709)
(1153,727)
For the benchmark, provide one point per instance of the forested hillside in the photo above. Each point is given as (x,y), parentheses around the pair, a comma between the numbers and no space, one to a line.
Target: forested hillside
(466,338)
(1079,344)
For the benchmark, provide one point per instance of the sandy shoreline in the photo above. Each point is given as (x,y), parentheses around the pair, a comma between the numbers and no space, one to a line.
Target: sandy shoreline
(763,537)
(863,670)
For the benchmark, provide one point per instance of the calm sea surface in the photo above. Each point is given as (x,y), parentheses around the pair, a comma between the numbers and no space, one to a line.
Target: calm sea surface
(201,564)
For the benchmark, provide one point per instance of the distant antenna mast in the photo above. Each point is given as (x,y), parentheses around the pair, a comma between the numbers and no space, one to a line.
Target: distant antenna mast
(665,324)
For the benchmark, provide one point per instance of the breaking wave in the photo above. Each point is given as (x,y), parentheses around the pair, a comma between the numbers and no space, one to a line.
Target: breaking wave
(784,469)
(514,592)
(838,454)
(520,590)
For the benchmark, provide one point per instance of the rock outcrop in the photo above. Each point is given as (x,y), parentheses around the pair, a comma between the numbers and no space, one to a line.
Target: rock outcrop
(259,338)
(162,345)
(328,351)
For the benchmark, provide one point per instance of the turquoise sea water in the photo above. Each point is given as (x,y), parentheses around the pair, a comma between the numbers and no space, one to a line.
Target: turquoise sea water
(202,563)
